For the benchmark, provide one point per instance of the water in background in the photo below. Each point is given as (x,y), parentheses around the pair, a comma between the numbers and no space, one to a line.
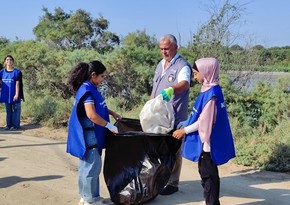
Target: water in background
(247,80)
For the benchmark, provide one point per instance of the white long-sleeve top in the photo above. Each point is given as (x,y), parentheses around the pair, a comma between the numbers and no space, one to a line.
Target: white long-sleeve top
(204,124)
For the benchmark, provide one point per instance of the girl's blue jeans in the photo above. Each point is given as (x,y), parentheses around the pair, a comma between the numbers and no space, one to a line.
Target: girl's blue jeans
(90,166)
(13,112)
(89,171)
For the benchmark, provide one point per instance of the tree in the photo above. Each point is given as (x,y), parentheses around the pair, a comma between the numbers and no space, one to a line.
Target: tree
(140,39)
(51,28)
(215,36)
(78,29)
(131,70)
(259,47)
(75,30)
(236,47)
(4,41)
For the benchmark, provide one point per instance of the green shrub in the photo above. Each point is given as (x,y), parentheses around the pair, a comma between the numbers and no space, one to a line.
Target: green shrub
(47,110)
(279,160)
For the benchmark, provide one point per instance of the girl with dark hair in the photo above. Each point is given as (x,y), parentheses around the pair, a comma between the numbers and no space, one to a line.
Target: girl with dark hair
(86,132)
(11,93)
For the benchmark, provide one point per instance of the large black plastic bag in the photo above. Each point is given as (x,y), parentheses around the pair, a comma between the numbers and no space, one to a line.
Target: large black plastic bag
(137,165)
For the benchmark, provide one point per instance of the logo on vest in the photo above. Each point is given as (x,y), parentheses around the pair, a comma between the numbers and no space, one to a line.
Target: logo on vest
(223,105)
(170,78)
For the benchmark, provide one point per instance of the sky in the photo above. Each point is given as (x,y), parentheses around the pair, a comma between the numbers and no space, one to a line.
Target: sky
(264,22)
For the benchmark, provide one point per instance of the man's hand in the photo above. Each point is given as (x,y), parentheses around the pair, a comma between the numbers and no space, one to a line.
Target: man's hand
(167,94)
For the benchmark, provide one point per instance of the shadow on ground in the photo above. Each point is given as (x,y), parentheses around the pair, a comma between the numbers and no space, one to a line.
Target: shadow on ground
(12,180)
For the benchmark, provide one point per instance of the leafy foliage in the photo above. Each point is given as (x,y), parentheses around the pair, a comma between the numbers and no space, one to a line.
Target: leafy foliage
(140,39)
(131,69)
(75,30)
(4,41)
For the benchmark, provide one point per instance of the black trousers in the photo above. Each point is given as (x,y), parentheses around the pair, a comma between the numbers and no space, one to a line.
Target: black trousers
(210,179)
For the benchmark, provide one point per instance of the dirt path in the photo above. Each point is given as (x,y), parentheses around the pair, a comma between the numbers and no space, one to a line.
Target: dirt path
(35,169)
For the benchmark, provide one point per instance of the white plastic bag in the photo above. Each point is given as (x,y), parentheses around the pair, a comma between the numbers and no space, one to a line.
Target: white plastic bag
(157,116)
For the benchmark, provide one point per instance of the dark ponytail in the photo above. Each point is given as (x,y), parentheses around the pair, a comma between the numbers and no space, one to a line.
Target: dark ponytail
(77,76)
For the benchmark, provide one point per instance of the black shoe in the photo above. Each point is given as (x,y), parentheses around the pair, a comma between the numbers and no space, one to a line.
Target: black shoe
(7,128)
(168,190)
(14,128)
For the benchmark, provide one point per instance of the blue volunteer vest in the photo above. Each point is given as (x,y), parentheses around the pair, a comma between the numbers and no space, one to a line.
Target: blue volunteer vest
(8,90)
(75,141)
(221,139)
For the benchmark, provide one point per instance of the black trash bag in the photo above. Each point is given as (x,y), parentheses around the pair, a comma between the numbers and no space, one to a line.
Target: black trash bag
(137,165)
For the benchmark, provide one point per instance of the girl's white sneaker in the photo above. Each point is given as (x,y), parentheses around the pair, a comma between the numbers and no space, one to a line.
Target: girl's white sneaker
(95,203)
(82,201)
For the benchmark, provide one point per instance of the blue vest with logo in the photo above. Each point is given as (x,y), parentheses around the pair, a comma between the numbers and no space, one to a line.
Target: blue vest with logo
(75,141)
(221,139)
(8,90)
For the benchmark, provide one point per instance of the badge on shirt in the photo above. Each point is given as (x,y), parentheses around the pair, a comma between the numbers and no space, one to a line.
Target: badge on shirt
(170,78)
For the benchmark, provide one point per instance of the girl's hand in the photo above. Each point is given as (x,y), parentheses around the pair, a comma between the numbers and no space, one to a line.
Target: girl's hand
(116,116)
(179,134)
(112,128)
(15,98)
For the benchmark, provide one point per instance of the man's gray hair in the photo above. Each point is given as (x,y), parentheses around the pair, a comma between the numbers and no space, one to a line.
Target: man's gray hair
(169,37)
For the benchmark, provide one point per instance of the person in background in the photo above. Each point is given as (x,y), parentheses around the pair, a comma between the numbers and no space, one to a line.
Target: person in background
(208,136)
(172,80)
(1,67)
(87,127)
(11,93)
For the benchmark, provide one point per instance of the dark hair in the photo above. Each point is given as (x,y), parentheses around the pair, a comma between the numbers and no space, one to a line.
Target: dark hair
(82,72)
(195,67)
(9,56)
